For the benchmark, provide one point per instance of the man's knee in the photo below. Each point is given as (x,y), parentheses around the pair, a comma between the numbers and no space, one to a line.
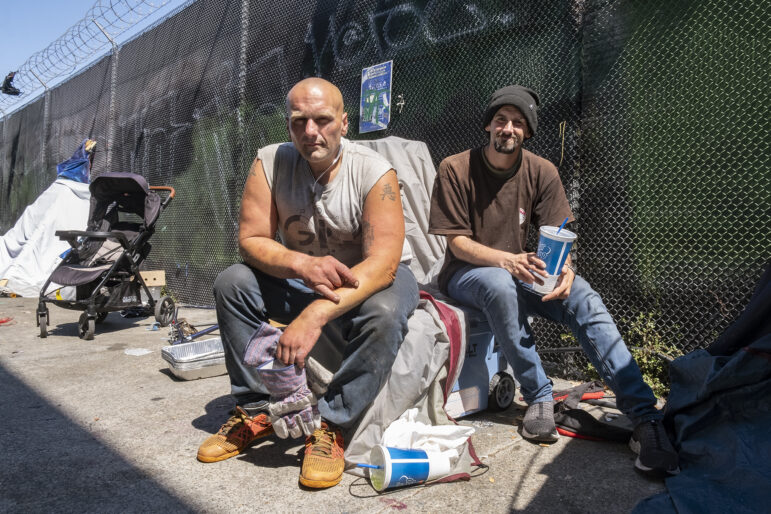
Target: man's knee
(231,280)
(500,288)
(385,313)
(384,308)
(583,299)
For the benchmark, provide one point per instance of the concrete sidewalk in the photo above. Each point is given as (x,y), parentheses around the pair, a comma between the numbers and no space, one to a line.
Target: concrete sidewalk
(92,426)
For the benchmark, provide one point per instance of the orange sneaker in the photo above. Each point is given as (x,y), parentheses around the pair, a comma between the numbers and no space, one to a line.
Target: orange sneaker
(323,464)
(235,436)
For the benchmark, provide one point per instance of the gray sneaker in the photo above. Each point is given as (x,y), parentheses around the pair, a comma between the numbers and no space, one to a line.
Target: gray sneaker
(655,453)
(538,424)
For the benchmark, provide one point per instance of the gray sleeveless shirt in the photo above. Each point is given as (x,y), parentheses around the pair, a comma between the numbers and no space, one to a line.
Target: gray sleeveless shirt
(323,220)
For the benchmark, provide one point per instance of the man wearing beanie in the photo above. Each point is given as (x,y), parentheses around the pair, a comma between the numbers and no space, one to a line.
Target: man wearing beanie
(484,201)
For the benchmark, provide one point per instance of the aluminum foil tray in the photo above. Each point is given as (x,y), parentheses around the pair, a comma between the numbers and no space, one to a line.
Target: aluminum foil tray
(196,359)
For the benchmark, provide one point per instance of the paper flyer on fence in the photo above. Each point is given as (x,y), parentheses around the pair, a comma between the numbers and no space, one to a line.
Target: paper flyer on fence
(375,108)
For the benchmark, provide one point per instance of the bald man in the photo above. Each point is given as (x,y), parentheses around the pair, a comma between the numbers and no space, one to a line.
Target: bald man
(338,268)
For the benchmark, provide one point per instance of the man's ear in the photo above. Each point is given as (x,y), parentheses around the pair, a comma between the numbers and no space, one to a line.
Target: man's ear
(345,124)
(487,128)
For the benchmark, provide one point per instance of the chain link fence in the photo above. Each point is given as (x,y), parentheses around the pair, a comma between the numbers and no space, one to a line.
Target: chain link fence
(655,112)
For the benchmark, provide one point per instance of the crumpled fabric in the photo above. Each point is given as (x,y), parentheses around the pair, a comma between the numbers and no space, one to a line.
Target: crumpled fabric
(408,433)
(78,167)
(720,409)
(293,407)
(262,346)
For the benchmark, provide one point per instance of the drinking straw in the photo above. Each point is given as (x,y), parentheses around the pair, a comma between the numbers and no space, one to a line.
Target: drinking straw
(563,224)
(371,466)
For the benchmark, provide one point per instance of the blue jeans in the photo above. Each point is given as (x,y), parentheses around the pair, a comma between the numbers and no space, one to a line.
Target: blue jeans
(506,305)
(367,337)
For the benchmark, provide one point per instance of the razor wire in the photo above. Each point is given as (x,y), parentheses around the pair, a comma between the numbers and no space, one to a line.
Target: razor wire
(103,22)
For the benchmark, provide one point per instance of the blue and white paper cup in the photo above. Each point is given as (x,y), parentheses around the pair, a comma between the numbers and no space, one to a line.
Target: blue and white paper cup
(399,467)
(553,249)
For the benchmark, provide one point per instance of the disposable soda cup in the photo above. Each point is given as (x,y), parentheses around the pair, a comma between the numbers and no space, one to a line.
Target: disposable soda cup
(399,467)
(553,249)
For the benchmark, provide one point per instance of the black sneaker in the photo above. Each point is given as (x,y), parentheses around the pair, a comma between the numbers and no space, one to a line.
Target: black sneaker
(655,453)
(538,424)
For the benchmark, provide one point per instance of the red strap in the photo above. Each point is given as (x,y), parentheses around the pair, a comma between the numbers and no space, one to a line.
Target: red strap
(473,453)
(451,478)
(598,395)
(452,325)
(586,396)
(568,433)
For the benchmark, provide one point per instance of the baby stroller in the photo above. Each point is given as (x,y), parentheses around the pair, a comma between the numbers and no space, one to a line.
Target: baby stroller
(103,263)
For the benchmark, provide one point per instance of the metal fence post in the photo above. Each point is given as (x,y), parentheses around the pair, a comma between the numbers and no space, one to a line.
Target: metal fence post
(113,86)
(46,121)
(242,70)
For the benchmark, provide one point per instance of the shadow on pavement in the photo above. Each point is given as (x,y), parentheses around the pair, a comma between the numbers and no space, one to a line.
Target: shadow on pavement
(114,322)
(580,474)
(50,464)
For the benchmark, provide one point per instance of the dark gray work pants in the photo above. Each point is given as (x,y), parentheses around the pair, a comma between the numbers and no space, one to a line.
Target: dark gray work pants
(365,338)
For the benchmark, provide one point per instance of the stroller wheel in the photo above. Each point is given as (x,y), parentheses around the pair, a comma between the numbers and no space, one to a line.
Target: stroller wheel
(164,311)
(100,316)
(42,321)
(86,327)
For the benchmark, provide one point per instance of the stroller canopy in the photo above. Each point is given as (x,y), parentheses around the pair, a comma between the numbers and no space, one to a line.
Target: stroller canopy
(131,194)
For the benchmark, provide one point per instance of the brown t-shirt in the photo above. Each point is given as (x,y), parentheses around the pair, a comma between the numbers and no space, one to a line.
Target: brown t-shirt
(468,199)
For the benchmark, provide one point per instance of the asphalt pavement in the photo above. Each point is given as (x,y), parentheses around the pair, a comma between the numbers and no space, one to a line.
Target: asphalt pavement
(103,426)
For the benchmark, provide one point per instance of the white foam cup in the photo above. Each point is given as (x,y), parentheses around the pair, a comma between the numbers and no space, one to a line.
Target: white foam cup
(399,467)
(553,249)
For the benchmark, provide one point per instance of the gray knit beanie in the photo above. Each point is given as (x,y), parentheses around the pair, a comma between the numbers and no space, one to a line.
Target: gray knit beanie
(523,98)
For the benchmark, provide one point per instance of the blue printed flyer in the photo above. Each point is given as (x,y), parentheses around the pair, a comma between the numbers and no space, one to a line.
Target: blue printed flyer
(375,109)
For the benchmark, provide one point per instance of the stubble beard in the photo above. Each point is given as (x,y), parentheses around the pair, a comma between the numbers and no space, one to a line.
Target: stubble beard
(510,147)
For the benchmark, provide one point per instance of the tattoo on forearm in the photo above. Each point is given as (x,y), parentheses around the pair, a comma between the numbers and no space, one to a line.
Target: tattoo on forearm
(388,192)
(367,235)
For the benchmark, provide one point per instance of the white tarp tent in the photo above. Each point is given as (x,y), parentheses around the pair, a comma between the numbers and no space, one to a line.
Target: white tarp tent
(29,252)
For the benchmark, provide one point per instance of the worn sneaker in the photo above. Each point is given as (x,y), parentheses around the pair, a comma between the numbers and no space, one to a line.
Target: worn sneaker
(235,436)
(323,464)
(538,424)
(655,453)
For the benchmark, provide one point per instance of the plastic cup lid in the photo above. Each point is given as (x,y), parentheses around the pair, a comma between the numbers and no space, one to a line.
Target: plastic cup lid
(564,235)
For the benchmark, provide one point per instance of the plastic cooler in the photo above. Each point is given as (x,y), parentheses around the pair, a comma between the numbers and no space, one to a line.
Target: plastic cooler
(486,379)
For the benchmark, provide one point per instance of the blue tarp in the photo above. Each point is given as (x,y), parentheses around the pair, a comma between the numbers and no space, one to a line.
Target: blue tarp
(77,167)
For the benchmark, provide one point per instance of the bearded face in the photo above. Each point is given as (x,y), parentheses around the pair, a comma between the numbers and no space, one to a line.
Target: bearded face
(508,130)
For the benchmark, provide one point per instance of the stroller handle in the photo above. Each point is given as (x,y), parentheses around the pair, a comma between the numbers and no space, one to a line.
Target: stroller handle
(164,188)
(71,236)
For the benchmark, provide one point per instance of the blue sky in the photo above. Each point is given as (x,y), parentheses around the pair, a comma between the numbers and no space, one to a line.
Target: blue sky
(29,26)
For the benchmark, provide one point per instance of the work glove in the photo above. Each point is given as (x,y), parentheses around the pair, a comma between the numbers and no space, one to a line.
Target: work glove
(293,407)
(261,348)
